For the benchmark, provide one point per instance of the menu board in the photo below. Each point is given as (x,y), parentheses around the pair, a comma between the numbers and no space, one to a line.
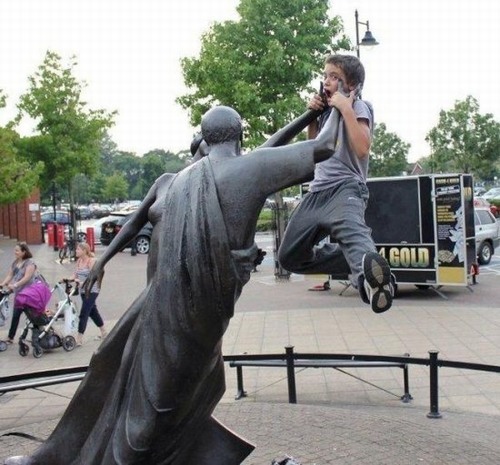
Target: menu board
(450,229)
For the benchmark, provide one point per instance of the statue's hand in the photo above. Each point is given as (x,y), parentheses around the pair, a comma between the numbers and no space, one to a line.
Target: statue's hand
(95,275)
(326,140)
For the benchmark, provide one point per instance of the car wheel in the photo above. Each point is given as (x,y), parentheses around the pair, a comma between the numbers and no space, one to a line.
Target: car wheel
(485,253)
(142,244)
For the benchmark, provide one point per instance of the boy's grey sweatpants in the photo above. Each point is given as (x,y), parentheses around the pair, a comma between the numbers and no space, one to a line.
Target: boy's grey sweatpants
(338,212)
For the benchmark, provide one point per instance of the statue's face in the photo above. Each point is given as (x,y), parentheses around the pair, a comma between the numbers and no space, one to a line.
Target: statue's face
(203,149)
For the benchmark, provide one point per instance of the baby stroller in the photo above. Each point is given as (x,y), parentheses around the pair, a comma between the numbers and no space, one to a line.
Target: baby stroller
(44,335)
(4,313)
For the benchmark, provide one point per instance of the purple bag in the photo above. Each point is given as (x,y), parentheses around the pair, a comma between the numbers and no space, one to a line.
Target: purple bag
(35,296)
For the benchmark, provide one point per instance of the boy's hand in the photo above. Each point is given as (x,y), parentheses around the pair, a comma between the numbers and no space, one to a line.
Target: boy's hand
(316,103)
(341,102)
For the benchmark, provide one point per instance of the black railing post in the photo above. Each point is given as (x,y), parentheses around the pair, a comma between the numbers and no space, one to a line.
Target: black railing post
(239,379)
(407,397)
(290,371)
(433,372)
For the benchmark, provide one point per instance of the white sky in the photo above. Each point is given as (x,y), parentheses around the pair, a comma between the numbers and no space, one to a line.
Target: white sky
(431,53)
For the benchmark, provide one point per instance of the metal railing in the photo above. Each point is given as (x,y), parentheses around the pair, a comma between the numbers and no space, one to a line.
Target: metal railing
(289,359)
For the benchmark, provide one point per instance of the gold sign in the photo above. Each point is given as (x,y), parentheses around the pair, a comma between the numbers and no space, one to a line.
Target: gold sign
(407,257)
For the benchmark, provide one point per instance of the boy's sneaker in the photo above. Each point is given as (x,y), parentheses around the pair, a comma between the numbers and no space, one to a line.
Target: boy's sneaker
(377,282)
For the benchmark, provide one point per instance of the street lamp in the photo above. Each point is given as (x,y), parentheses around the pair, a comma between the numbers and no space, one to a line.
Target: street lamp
(368,40)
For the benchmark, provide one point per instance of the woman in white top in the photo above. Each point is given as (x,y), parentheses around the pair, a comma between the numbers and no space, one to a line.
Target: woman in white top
(84,264)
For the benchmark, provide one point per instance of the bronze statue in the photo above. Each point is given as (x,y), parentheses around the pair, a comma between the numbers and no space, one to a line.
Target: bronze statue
(151,389)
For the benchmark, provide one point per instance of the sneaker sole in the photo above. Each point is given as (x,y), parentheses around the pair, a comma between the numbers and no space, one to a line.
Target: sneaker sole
(378,277)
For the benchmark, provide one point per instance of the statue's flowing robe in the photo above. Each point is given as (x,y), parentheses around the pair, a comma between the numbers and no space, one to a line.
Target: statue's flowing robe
(160,397)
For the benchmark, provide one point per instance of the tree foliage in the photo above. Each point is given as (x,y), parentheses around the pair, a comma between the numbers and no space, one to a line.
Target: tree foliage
(18,177)
(465,141)
(389,154)
(116,188)
(262,63)
(70,132)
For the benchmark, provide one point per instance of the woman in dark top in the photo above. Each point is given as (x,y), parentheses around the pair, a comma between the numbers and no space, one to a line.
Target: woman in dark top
(21,274)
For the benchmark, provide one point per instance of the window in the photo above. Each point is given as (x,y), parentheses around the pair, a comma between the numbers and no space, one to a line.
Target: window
(484,217)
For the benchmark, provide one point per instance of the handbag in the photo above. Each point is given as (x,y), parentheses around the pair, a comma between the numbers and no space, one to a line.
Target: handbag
(35,296)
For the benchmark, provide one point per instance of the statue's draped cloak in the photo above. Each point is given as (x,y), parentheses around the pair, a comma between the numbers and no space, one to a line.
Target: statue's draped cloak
(171,376)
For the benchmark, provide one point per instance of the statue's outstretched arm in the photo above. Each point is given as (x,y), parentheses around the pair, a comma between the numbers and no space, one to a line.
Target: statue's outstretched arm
(286,134)
(130,229)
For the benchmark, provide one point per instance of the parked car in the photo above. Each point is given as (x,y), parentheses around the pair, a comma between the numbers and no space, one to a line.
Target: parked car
(83,213)
(487,234)
(478,190)
(97,226)
(492,194)
(480,202)
(62,217)
(115,222)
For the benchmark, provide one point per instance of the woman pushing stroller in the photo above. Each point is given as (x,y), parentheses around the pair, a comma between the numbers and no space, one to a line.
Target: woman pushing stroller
(22,273)
(85,262)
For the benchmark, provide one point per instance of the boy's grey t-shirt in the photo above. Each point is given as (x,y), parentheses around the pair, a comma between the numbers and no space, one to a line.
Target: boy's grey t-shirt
(343,164)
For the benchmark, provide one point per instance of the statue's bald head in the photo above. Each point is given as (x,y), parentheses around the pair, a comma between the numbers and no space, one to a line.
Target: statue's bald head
(221,124)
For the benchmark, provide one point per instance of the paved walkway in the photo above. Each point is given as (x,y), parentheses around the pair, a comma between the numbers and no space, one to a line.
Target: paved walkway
(340,418)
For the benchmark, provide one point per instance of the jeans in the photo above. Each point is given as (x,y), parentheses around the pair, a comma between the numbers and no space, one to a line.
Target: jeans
(89,310)
(16,315)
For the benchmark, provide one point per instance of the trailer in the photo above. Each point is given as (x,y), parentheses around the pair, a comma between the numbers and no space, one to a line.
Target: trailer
(424,226)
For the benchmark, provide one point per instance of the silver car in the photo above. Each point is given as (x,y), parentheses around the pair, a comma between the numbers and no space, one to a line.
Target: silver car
(487,234)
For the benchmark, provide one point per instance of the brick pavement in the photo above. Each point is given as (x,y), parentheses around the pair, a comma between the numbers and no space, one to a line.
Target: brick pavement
(339,418)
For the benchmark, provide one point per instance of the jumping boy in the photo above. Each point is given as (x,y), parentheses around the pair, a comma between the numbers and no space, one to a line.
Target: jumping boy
(335,205)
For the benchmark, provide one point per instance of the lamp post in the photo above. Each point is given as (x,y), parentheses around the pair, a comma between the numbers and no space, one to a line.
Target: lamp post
(54,193)
(368,40)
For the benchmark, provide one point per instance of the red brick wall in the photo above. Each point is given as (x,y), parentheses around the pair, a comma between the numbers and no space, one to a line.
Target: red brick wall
(2,209)
(18,222)
(29,222)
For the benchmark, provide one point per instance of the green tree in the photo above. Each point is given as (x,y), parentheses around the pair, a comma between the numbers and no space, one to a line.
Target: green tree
(153,166)
(465,141)
(18,177)
(174,162)
(262,64)
(81,191)
(129,165)
(107,149)
(72,133)
(97,188)
(116,188)
(388,153)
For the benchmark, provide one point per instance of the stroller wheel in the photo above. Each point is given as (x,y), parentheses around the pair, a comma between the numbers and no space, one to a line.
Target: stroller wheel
(69,343)
(37,351)
(23,349)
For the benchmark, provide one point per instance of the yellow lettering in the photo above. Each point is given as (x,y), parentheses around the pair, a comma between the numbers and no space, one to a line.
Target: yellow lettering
(407,257)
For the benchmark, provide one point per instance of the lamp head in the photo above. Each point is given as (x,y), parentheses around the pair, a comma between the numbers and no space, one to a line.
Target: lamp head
(368,40)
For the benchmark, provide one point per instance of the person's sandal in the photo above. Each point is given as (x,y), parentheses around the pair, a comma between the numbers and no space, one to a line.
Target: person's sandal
(100,337)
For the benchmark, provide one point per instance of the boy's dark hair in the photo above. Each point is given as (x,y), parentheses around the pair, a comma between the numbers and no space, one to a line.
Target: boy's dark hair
(351,66)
